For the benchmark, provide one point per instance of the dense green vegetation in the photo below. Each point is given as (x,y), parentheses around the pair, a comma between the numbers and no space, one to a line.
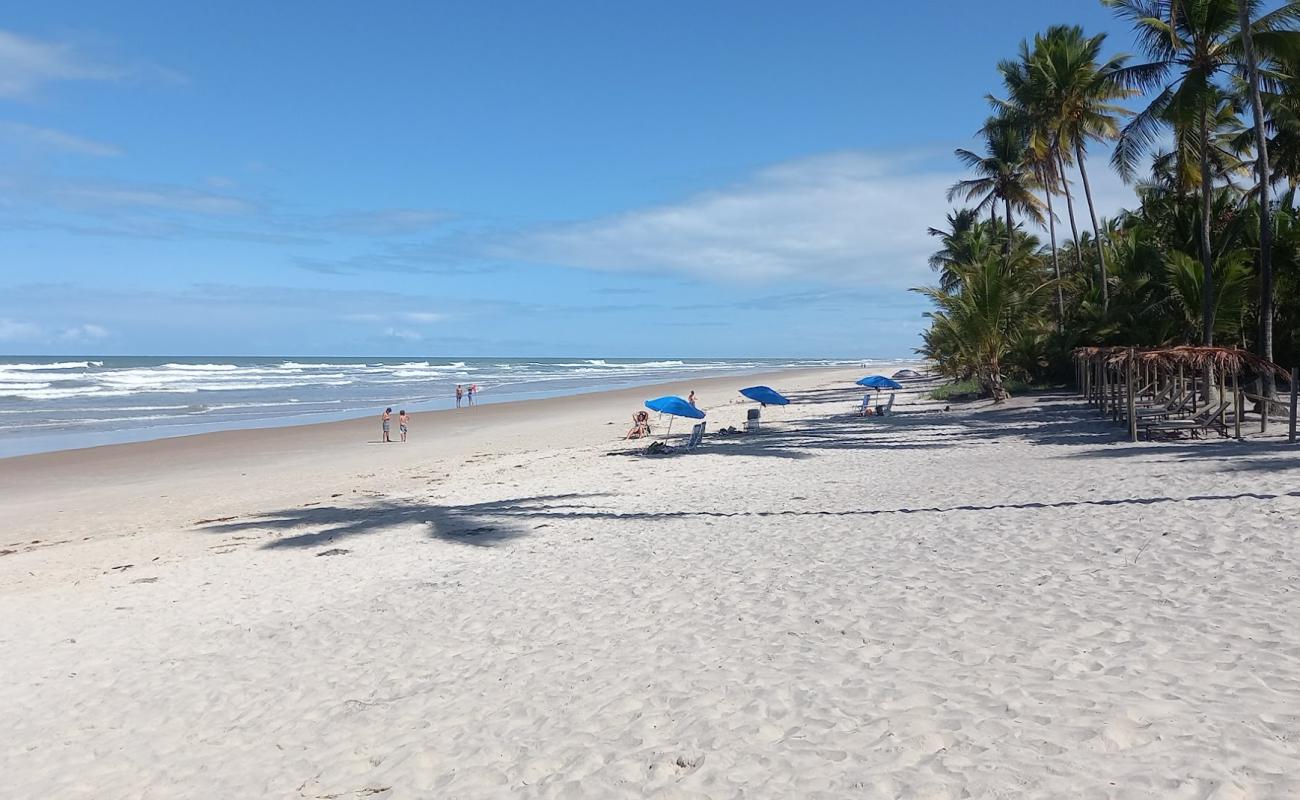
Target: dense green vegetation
(1209,256)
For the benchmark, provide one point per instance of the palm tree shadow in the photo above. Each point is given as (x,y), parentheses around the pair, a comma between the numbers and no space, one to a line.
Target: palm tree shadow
(478,524)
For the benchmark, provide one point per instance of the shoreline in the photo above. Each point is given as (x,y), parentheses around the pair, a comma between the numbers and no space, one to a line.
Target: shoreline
(94,492)
(18,443)
(262,431)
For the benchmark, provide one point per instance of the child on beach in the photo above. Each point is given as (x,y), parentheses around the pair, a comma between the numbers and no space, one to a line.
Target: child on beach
(387,419)
(460,392)
(402,421)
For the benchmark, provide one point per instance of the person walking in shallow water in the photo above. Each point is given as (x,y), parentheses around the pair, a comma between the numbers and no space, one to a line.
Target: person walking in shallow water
(460,393)
(473,390)
(387,419)
(402,422)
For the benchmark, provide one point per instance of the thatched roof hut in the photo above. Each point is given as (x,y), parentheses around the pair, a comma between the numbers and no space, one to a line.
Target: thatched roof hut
(1224,360)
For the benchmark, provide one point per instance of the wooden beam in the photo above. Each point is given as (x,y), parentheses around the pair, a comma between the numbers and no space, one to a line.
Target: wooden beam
(1132,401)
(1295,384)
(1238,406)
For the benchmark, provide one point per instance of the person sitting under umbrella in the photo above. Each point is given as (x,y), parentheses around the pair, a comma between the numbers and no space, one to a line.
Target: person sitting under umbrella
(640,425)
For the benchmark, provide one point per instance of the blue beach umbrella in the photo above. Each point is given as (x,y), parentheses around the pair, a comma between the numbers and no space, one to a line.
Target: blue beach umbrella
(765,395)
(879,382)
(674,406)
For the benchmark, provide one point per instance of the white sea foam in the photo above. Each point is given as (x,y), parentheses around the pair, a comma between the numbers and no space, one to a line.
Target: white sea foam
(53,366)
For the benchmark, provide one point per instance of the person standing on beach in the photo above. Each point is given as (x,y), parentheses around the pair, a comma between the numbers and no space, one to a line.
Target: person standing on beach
(387,419)
(402,422)
(460,392)
(473,389)
(691,398)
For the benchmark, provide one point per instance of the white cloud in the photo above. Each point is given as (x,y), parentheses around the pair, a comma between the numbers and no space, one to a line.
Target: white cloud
(405,334)
(379,222)
(123,197)
(27,64)
(847,217)
(12,330)
(51,139)
(414,317)
(840,218)
(83,333)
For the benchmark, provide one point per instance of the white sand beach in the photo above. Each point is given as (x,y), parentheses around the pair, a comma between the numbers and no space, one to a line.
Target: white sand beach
(981,602)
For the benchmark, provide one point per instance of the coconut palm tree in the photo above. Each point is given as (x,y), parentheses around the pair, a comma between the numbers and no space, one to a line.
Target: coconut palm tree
(994,308)
(1190,50)
(959,242)
(1004,175)
(1079,91)
(1028,106)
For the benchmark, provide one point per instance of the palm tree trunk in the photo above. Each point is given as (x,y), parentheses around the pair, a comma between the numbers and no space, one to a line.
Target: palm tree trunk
(1262,171)
(1056,264)
(1006,246)
(1069,206)
(1207,259)
(1096,231)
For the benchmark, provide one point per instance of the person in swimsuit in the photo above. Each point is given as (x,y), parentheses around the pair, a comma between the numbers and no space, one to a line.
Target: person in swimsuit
(640,425)
(691,399)
(460,392)
(402,422)
(473,390)
(387,419)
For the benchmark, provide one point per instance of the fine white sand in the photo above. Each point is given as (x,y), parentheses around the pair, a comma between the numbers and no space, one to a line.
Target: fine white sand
(984,602)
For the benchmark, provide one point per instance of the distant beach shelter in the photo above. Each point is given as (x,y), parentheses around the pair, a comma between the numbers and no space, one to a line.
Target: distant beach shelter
(674,407)
(765,395)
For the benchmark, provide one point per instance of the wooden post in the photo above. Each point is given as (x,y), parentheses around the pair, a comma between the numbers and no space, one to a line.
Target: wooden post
(1263,406)
(1101,395)
(1223,412)
(1238,407)
(1116,408)
(1132,401)
(1295,384)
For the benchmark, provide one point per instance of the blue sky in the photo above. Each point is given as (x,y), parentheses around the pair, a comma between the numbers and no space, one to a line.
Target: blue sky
(602,179)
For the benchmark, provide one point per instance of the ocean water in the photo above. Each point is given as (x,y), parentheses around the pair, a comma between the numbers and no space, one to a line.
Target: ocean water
(59,403)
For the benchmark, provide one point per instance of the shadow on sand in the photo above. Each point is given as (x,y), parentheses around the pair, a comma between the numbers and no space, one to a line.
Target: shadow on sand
(477,524)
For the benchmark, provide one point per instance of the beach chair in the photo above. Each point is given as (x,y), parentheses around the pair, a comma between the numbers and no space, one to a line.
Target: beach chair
(697,436)
(1203,422)
(1177,405)
(866,404)
(889,407)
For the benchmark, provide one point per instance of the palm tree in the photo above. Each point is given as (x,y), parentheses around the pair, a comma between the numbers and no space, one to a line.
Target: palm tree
(1079,92)
(1263,175)
(1028,106)
(995,307)
(960,242)
(1004,175)
(1197,44)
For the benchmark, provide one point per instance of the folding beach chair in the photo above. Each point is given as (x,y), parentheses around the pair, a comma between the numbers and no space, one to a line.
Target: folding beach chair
(697,436)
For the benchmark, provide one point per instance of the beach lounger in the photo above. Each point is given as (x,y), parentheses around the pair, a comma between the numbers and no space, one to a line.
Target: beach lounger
(697,436)
(1178,405)
(1201,423)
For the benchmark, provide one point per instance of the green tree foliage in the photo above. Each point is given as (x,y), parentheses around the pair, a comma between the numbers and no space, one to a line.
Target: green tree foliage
(1199,260)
